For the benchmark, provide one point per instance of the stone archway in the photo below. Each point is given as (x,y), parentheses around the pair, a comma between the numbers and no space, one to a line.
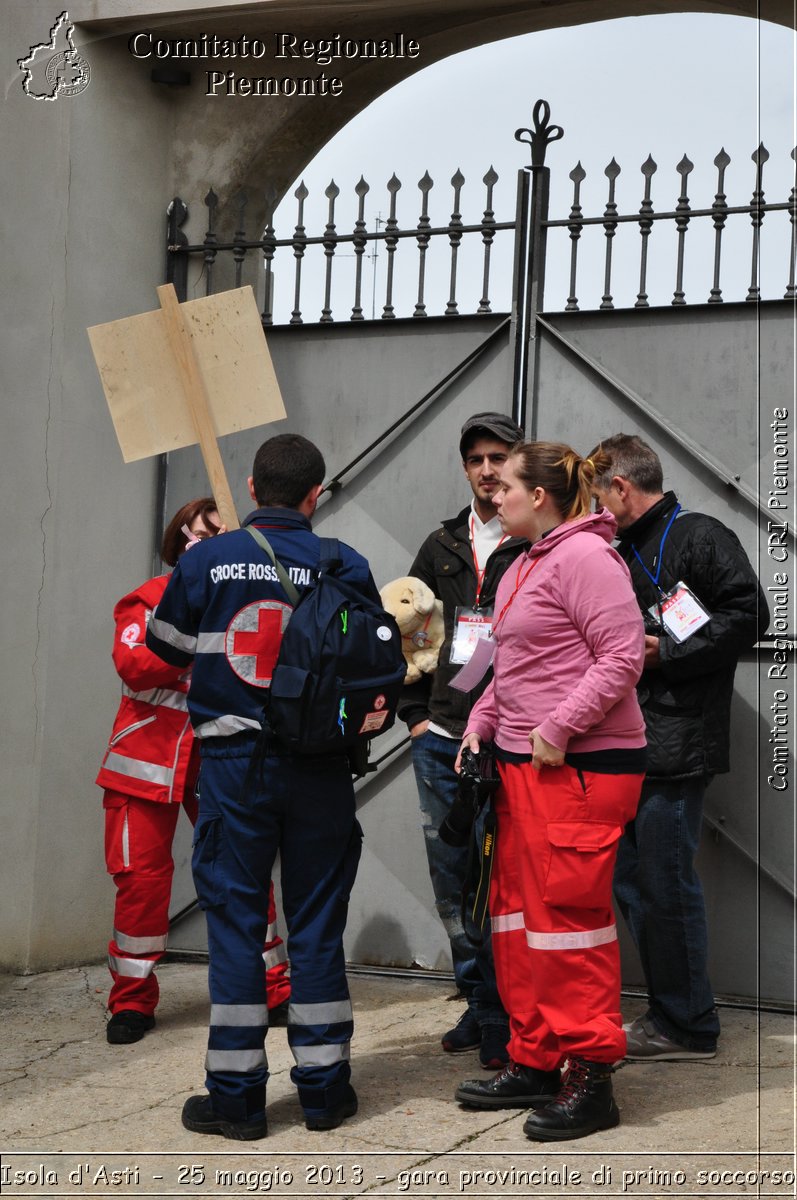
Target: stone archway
(220,140)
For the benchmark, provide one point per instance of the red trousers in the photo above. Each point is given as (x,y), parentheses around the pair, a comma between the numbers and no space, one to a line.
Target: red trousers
(138,854)
(554,937)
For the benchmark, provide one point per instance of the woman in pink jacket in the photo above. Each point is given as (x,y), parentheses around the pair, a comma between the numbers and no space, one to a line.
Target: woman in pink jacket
(569,741)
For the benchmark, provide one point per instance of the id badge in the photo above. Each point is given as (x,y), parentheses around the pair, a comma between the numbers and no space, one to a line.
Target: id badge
(471,625)
(680,612)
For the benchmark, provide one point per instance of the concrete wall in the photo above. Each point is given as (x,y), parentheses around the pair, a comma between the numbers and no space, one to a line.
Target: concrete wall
(82,194)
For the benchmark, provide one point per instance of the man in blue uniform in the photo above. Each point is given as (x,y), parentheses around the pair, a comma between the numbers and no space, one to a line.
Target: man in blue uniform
(224,611)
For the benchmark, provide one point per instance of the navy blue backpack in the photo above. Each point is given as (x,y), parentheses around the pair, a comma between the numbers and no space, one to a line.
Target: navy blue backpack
(340,668)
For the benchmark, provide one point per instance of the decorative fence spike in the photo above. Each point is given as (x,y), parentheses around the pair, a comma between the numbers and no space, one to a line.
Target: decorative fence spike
(682,216)
(454,237)
(575,226)
(359,241)
(542,134)
(330,242)
(757,214)
(269,245)
(391,241)
(610,226)
(425,185)
(648,170)
(719,215)
(299,243)
(488,233)
(239,250)
(211,203)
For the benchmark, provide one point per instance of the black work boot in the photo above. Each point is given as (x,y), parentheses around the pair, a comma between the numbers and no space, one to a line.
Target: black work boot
(515,1086)
(199,1117)
(583,1104)
(128,1026)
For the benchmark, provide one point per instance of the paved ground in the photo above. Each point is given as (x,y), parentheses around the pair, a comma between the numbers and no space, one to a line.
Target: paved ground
(74,1110)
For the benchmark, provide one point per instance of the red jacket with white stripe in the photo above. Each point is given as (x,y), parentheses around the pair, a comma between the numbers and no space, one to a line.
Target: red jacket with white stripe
(151,753)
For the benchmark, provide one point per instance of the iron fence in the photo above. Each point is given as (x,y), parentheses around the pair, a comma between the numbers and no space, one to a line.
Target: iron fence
(529,227)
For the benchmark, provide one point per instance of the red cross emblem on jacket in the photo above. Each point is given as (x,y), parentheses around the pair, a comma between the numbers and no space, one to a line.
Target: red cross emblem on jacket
(252,640)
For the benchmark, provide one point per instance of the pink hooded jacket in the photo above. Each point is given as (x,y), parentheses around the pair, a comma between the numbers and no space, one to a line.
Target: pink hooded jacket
(569,646)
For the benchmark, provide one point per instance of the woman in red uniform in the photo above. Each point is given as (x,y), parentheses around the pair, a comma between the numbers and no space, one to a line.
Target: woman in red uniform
(570,747)
(149,770)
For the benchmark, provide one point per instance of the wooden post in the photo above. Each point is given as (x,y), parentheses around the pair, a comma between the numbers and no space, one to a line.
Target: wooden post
(196,392)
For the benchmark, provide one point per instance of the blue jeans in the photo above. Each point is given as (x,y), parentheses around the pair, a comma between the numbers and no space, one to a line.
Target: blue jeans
(433,758)
(661,898)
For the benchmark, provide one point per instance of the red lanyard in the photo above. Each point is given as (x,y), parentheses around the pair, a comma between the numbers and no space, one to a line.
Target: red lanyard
(518,585)
(479,570)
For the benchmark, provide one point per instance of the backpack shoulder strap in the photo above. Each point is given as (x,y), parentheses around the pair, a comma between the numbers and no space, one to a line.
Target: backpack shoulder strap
(329,556)
(282,574)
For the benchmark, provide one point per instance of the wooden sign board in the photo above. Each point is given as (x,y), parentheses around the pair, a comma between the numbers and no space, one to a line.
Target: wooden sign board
(146,389)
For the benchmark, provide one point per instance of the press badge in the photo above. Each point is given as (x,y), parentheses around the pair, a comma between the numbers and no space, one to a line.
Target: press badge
(471,625)
(680,612)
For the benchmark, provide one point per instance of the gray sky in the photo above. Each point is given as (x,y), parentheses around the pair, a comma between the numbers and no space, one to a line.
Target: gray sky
(665,85)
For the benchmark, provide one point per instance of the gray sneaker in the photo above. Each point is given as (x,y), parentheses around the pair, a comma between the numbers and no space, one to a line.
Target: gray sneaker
(646,1044)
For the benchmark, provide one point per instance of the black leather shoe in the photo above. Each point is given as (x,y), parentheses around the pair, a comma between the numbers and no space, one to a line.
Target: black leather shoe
(514,1087)
(199,1117)
(583,1104)
(128,1026)
(334,1116)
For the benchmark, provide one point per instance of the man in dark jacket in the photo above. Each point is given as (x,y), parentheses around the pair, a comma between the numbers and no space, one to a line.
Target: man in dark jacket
(461,562)
(223,613)
(694,637)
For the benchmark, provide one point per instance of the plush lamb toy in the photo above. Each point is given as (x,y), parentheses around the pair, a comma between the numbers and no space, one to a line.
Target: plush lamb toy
(419,616)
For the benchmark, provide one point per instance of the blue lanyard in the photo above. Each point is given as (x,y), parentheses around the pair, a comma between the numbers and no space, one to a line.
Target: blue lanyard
(654,579)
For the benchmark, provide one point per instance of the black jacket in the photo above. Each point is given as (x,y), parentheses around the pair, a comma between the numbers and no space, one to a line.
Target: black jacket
(445,564)
(687,699)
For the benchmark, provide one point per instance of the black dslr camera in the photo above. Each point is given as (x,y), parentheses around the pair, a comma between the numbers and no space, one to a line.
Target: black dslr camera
(478,779)
(652,625)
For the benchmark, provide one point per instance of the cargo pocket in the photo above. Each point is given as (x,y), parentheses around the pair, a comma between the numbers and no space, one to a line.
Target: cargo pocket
(206,863)
(581,863)
(117,833)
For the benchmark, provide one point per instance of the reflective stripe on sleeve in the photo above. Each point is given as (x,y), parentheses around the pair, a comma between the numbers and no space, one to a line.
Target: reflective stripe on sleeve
(235,1060)
(239,1015)
(210,643)
(131,968)
(321,1056)
(224,726)
(140,945)
(571,940)
(137,768)
(320,1014)
(159,697)
(172,636)
(507,923)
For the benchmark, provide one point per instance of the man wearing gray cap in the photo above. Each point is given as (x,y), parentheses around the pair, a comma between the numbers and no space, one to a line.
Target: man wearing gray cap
(462,562)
